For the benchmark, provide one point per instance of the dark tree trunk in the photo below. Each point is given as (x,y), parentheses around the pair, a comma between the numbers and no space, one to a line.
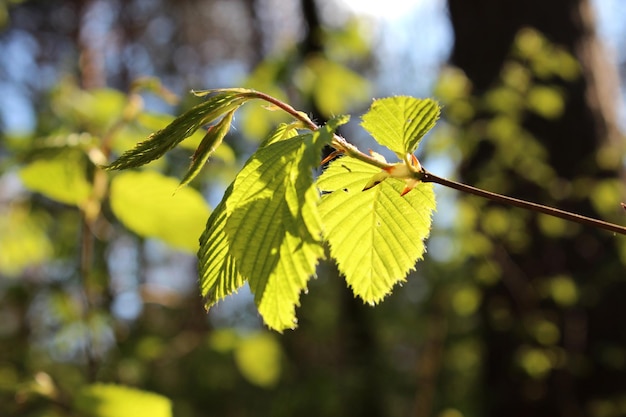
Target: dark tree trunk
(484,31)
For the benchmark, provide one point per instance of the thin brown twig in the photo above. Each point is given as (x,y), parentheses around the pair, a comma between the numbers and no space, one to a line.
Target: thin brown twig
(339,143)
(551,211)
(342,146)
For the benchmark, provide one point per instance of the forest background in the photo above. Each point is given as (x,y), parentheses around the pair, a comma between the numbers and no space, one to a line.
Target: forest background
(511,313)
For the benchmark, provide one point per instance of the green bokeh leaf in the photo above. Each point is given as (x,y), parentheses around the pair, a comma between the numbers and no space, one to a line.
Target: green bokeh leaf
(107,400)
(258,358)
(94,110)
(144,203)
(267,230)
(376,236)
(61,177)
(155,86)
(548,102)
(256,121)
(399,123)
(348,42)
(23,240)
(154,121)
(335,86)
(181,128)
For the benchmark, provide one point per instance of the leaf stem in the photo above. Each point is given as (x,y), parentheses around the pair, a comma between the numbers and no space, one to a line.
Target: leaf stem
(298,115)
(341,145)
(550,211)
(338,142)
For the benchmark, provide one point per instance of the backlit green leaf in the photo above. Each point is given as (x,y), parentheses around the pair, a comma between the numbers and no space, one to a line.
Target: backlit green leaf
(376,236)
(399,123)
(181,128)
(152,122)
(108,400)
(219,276)
(144,202)
(267,230)
(212,140)
(61,177)
(274,229)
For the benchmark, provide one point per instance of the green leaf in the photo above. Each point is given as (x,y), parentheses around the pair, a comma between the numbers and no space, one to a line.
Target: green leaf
(274,230)
(108,400)
(336,87)
(258,357)
(61,177)
(93,110)
(159,143)
(151,122)
(376,236)
(218,275)
(154,121)
(212,140)
(144,202)
(547,102)
(267,229)
(282,132)
(23,240)
(399,123)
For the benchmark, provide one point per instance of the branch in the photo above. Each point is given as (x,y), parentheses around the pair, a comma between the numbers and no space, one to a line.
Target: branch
(342,146)
(338,143)
(550,211)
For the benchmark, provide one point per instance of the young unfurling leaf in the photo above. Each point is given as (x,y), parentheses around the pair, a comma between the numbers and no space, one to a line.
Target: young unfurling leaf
(399,123)
(157,144)
(212,139)
(402,170)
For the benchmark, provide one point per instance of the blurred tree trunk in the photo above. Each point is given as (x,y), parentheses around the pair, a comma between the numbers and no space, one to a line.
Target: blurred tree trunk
(484,31)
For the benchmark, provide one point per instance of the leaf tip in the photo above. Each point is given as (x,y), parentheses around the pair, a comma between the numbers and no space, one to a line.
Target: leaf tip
(376,179)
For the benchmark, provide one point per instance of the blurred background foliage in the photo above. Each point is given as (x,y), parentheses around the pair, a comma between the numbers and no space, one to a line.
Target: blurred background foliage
(511,313)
